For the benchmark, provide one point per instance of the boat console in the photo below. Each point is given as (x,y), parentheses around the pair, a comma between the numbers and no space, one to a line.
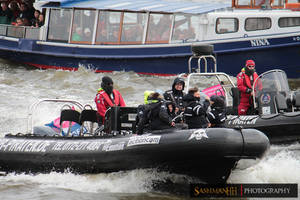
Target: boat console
(120,119)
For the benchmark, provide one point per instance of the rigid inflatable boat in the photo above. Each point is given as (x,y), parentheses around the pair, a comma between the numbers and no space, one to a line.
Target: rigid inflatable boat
(208,154)
(276,109)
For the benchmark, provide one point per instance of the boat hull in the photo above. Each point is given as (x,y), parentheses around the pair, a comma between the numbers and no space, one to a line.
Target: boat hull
(279,128)
(160,59)
(209,155)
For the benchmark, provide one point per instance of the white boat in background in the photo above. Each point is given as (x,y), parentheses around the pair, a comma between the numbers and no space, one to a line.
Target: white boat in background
(155,37)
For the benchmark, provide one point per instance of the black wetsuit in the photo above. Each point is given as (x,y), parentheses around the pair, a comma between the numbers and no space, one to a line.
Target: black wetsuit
(153,116)
(217,115)
(195,112)
(176,96)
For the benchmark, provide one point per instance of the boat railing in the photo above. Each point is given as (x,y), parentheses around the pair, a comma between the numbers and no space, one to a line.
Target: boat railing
(204,58)
(20,31)
(202,53)
(218,76)
(33,107)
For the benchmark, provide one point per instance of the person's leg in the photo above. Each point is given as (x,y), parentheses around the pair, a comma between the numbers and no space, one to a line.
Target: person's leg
(242,109)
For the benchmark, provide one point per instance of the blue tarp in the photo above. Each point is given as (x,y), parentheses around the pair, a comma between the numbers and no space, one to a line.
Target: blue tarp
(167,6)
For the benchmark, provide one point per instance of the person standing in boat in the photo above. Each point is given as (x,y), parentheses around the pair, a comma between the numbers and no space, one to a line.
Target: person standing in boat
(154,114)
(245,80)
(216,116)
(176,95)
(195,112)
(107,97)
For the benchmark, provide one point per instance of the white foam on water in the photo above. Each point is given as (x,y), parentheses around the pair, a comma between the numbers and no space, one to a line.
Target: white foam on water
(283,166)
(134,181)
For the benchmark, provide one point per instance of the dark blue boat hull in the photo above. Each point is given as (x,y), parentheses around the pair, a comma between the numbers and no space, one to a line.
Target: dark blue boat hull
(281,53)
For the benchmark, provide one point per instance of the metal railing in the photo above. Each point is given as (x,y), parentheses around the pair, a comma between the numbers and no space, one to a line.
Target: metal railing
(34,106)
(20,31)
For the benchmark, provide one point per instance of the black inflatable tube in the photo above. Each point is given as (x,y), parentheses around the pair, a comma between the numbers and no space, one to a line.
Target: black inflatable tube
(209,154)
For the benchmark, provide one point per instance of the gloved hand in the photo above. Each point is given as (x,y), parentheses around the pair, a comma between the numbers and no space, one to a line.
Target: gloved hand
(248,90)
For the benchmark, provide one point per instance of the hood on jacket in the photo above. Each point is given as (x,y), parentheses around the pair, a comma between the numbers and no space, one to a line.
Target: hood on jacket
(219,101)
(189,97)
(178,80)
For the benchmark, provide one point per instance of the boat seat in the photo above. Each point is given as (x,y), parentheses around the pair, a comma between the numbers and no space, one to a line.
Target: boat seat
(296,100)
(235,93)
(88,115)
(69,115)
(280,101)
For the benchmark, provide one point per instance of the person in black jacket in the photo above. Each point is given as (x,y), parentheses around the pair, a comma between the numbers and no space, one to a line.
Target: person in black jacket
(217,116)
(154,116)
(195,112)
(176,94)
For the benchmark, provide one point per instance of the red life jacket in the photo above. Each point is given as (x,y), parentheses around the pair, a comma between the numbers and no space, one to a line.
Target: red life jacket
(111,103)
(248,81)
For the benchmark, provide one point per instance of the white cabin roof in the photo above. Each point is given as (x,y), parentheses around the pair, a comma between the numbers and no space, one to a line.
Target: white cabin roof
(165,6)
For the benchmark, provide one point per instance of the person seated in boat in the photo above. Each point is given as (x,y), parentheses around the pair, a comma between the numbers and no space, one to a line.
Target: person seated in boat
(107,97)
(217,115)
(35,19)
(245,81)
(6,12)
(171,111)
(195,111)
(13,6)
(153,115)
(176,95)
(25,12)
(77,35)
(41,20)
(102,36)
(19,22)
(87,35)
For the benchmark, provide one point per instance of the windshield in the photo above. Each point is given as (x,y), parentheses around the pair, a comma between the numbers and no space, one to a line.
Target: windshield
(273,81)
(271,90)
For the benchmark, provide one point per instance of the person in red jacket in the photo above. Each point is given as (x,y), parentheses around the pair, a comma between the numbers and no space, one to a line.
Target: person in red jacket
(107,97)
(245,80)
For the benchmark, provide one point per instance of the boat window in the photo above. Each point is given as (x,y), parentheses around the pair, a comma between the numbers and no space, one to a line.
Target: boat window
(254,24)
(32,33)
(185,27)
(83,26)
(59,25)
(289,22)
(227,25)
(243,2)
(16,31)
(3,29)
(159,28)
(108,29)
(278,3)
(133,27)
(259,3)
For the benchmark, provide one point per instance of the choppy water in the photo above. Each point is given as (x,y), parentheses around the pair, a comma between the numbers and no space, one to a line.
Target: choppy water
(21,87)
